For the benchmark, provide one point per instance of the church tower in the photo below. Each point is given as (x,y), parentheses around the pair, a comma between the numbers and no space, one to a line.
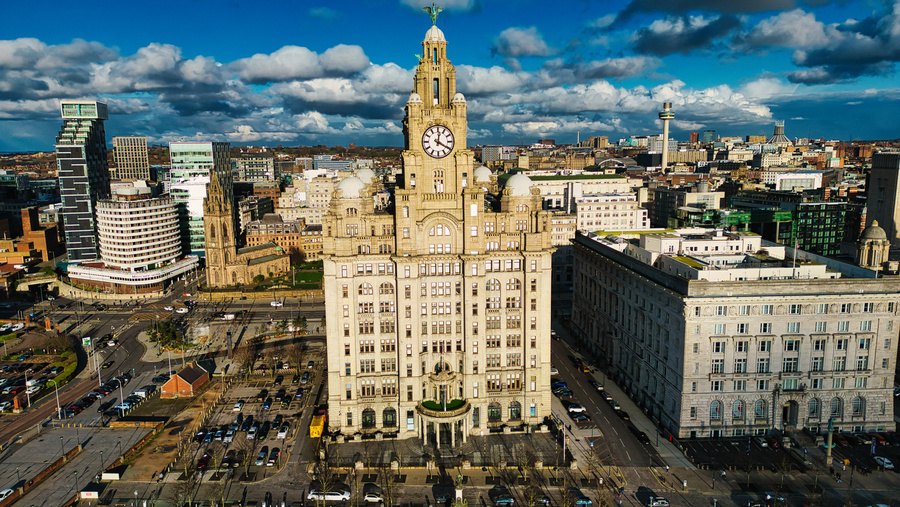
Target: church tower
(218,225)
(437,311)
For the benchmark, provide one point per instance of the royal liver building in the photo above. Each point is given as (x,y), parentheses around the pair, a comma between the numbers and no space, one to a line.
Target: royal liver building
(438,311)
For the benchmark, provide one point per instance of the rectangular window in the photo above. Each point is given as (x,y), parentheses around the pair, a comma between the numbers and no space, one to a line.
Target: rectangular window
(818,363)
(862,363)
(740,366)
(762,365)
(693,387)
(744,310)
(865,325)
(821,327)
(717,385)
(864,343)
(840,363)
(793,327)
(693,412)
(767,309)
(822,308)
(838,383)
(718,366)
(792,345)
(765,327)
(789,365)
(794,309)
(721,311)
(845,308)
(742,346)
(740,385)
(765,345)
(868,307)
(762,385)
(720,329)
(819,345)
(840,344)
(860,382)
(718,347)
(743,328)
(815,383)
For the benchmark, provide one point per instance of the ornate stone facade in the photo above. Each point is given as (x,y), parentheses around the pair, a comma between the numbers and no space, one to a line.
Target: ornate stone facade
(438,319)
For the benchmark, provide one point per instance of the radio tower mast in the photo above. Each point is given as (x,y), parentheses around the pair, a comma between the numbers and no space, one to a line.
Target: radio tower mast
(665,115)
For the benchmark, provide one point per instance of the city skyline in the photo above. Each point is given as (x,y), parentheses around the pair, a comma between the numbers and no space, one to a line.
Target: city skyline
(340,74)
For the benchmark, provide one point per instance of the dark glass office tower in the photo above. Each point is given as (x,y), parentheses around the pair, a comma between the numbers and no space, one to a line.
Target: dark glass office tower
(83,174)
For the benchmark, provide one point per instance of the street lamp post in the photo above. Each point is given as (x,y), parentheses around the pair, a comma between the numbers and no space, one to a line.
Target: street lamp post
(62,448)
(58,407)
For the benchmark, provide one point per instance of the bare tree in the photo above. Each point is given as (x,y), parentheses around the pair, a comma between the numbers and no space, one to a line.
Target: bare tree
(325,479)
(243,356)
(388,485)
(183,490)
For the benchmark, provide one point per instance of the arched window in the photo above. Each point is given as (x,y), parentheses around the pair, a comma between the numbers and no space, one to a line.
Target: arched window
(389,418)
(439,230)
(365,289)
(406,208)
(494,412)
(859,406)
(386,288)
(515,411)
(715,410)
(761,409)
(368,418)
(814,407)
(234,277)
(837,407)
(737,409)
(493,284)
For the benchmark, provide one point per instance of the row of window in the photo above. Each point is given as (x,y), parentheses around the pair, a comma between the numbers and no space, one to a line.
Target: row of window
(791,345)
(791,364)
(794,327)
(795,309)
(788,384)
(835,409)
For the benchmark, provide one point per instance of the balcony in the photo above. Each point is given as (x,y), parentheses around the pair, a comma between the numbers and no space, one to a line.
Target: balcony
(435,409)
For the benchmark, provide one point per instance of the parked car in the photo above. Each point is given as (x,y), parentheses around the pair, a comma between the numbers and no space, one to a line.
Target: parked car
(247,424)
(229,435)
(310,365)
(305,378)
(500,496)
(203,462)
(575,408)
(339,493)
(276,304)
(274,454)
(884,463)
(283,431)
(658,502)
(261,457)
(238,406)
(553,371)
(597,385)
(278,380)
(267,404)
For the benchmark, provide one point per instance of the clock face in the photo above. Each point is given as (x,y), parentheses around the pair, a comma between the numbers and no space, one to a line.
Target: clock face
(437,141)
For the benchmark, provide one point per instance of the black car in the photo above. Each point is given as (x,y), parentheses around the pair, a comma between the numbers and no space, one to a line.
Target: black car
(262,395)
(280,395)
(245,426)
(263,431)
(160,379)
(278,380)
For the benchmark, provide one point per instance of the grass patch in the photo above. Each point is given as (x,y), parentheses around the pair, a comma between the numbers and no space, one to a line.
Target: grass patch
(161,407)
(306,286)
(439,407)
(308,276)
(7,337)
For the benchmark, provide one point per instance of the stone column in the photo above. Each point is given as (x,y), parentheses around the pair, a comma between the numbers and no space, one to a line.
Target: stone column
(452,434)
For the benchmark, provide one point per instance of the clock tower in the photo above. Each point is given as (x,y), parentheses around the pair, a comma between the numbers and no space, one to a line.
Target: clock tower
(436,160)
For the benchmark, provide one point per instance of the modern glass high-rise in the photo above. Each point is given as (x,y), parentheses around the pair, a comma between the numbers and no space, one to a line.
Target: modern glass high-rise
(191,164)
(132,160)
(83,174)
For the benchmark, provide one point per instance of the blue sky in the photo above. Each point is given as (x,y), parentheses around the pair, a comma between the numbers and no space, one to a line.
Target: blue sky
(308,73)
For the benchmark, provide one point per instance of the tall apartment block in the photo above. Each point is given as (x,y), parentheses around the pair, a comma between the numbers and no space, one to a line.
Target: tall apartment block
(438,323)
(132,160)
(83,174)
(720,334)
(191,165)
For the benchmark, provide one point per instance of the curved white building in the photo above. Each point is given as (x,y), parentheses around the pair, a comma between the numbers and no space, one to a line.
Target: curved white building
(137,232)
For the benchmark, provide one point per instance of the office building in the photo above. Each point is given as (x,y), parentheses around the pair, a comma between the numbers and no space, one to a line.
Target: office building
(83,173)
(719,334)
(438,314)
(132,162)
(192,163)
(142,246)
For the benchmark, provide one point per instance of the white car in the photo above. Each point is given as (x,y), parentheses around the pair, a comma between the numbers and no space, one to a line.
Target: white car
(576,408)
(33,389)
(181,310)
(277,304)
(554,371)
(6,405)
(238,406)
(6,493)
(168,308)
(17,327)
(5,327)
(884,462)
(335,495)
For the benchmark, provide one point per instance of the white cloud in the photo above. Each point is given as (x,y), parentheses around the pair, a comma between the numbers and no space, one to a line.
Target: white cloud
(458,5)
(516,42)
(766,88)
(344,59)
(289,62)
(793,29)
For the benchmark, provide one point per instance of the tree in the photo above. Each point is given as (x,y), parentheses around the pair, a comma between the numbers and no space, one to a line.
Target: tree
(244,356)
(388,484)
(259,278)
(324,480)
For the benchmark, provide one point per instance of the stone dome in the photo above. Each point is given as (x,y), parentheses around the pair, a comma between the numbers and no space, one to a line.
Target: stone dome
(873,231)
(482,175)
(458,97)
(366,175)
(414,98)
(434,34)
(350,187)
(519,185)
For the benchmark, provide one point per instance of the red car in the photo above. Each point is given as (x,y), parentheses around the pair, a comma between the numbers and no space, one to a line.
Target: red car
(203,462)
